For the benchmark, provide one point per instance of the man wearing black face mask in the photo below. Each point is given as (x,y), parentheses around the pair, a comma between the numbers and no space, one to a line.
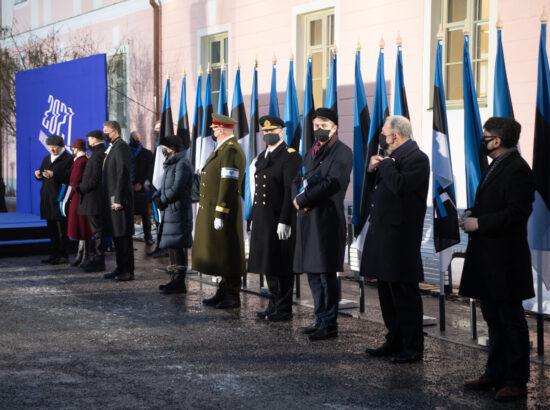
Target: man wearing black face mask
(142,160)
(273,219)
(318,194)
(497,268)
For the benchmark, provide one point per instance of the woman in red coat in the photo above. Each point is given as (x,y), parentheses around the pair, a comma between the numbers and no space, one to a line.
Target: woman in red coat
(78,225)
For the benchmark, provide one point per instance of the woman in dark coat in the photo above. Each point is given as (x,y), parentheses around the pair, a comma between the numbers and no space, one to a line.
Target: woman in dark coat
(174,200)
(78,227)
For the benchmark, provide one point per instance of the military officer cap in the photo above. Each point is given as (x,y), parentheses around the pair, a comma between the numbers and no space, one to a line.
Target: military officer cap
(173,142)
(222,121)
(55,140)
(326,113)
(95,134)
(270,122)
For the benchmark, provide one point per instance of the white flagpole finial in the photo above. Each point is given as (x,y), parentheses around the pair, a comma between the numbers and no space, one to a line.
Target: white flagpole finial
(440,33)
(381,43)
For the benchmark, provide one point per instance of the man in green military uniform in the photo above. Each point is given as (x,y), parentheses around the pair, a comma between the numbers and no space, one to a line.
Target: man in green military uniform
(218,247)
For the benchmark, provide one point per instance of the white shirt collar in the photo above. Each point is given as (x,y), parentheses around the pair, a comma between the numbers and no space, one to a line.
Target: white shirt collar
(271,149)
(54,157)
(227,139)
(80,154)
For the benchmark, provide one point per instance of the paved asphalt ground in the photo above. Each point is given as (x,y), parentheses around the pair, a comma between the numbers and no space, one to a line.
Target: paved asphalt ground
(71,340)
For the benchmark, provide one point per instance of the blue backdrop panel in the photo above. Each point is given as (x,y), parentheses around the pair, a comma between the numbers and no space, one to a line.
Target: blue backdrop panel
(68,99)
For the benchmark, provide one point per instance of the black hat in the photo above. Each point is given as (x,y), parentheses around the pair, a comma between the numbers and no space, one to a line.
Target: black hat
(173,142)
(95,134)
(270,122)
(55,140)
(326,113)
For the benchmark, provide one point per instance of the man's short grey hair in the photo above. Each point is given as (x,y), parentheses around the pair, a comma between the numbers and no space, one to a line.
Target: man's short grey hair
(400,125)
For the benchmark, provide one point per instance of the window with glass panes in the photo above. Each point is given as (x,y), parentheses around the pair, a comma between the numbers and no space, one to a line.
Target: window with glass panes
(319,30)
(118,89)
(217,57)
(455,13)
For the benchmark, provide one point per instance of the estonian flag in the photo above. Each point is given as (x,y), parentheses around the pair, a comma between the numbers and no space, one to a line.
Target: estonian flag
(309,110)
(291,113)
(253,146)
(273,101)
(197,123)
(331,98)
(166,128)
(222,95)
(400,106)
(502,103)
(207,143)
(238,112)
(183,118)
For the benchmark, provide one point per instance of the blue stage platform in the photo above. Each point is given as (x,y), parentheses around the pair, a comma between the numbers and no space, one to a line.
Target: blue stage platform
(22,234)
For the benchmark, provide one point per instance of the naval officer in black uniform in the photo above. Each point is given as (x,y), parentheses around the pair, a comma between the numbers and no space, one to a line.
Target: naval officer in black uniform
(272,238)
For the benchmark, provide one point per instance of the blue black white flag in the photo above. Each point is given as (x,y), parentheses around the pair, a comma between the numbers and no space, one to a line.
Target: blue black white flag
(291,113)
(183,116)
(222,95)
(273,100)
(207,143)
(331,98)
(197,124)
(309,110)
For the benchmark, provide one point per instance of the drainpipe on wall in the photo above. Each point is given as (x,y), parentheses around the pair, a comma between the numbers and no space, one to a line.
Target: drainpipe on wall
(156,56)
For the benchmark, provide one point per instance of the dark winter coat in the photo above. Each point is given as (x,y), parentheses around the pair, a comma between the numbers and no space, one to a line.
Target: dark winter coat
(273,205)
(175,195)
(398,195)
(321,231)
(78,226)
(117,189)
(142,164)
(90,187)
(498,261)
(51,187)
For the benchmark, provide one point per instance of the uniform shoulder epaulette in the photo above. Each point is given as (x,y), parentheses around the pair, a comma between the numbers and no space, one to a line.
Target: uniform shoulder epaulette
(291,150)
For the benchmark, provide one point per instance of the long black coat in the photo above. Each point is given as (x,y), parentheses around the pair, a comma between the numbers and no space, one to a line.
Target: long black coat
(321,231)
(175,194)
(90,186)
(49,192)
(498,261)
(398,193)
(117,189)
(273,205)
(142,165)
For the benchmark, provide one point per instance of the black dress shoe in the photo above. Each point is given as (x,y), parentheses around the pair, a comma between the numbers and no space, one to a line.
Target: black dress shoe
(307,330)
(94,267)
(61,260)
(324,333)
(48,259)
(125,277)
(111,275)
(279,317)
(387,349)
(213,301)
(482,383)
(407,356)
(228,304)
(265,313)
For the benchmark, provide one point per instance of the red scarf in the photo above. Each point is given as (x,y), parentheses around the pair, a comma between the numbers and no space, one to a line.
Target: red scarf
(317,146)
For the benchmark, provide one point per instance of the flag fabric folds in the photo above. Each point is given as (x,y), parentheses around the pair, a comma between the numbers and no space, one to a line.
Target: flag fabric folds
(475,162)
(222,95)
(400,106)
(238,113)
(361,123)
(502,102)
(445,222)
(207,143)
(166,128)
(309,110)
(291,113)
(183,117)
(273,101)
(197,124)
(253,146)
(539,223)
(331,97)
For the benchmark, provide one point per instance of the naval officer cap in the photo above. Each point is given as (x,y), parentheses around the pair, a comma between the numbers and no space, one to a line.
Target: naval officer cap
(326,113)
(173,142)
(55,140)
(222,121)
(270,122)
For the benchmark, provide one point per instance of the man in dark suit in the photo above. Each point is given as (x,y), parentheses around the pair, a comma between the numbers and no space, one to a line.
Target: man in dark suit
(273,235)
(142,160)
(497,268)
(398,190)
(54,171)
(118,204)
(318,195)
(91,200)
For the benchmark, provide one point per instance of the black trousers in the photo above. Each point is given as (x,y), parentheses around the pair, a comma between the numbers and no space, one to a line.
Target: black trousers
(402,311)
(230,287)
(57,232)
(508,359)
(146,223)
(178,256)
(98,240)
(324,289)
(281,293)
(124,248)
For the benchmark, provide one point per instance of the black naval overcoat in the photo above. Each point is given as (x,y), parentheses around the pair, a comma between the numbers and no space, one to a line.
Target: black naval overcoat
(273,205)
(498,260)
(90,186)
(49,192)
(321,231)
(398,194)
(117,188)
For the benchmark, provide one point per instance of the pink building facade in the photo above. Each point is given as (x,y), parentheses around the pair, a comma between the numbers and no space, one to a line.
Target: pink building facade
(239,32)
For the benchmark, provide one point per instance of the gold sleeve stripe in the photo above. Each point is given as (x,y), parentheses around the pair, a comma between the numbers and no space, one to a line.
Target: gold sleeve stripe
(222,209)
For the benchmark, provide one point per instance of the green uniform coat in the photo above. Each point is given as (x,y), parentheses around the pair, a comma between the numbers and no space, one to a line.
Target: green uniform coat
(221,253)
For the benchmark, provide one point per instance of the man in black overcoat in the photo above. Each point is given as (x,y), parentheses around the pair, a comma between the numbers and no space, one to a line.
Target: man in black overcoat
(142,161)
(118,204)
(497,269)
(91,198)
(318,194)
(398,189)
(273,237)
(54,171)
